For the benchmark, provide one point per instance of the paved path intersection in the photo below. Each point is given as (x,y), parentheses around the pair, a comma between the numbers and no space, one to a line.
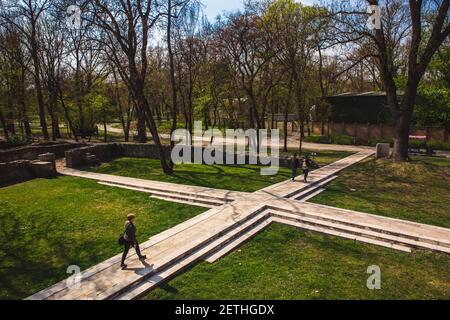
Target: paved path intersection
(234,218)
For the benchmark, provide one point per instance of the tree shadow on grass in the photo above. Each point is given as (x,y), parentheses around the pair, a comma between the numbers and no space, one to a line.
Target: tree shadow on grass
(34,254)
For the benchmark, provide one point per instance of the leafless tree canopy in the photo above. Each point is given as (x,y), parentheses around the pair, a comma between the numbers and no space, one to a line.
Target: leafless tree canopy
(153,66)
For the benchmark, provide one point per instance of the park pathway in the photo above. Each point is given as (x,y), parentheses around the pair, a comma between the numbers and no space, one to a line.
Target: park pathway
(293,143)
(200,196)
(218,231)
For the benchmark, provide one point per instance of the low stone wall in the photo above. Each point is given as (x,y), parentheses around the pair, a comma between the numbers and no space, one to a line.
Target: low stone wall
(149,151)
(23,170)
(104,152)
(32,152)
(16,171)
(110,151)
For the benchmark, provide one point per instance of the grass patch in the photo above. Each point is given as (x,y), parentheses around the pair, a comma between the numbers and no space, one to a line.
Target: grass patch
(323,157)
(48,225)
(285,263)
(416,191)
(238,177)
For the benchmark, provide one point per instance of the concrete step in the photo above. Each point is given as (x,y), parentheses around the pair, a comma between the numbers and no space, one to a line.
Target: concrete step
(151,189)
(362,231)
(384,230)
(150,283)
(331,232)
(237,242)
(312,195)
(187,198)
(173,257)
(312,188)
(197,204)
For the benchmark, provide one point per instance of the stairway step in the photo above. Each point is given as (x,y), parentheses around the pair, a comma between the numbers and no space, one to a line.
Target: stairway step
(176,256)
(167,195)
(371,227)
(312,195)
(192,198)
(233,245)
(153,189)
(192,203)
(342,234)
(363,232)
(145,286)
(149,283)
(305,192)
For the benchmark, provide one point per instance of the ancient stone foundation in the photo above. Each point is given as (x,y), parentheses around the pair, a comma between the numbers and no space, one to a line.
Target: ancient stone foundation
(23,170)
(86,156)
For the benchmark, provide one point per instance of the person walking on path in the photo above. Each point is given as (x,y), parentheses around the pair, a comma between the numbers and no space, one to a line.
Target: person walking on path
(129,240)
(306,163)
(295,164)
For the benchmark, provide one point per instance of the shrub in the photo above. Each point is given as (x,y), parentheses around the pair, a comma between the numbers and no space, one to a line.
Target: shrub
(317,139)
(13,141)
(415,144)
(342,139)
(439,145)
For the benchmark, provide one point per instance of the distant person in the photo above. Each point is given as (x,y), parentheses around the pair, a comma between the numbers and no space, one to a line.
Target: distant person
(129,240)
(306,165)
(295,164)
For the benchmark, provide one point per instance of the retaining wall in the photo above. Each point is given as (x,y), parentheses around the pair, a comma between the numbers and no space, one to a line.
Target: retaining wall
(23,170)
(32,152)
(110,151)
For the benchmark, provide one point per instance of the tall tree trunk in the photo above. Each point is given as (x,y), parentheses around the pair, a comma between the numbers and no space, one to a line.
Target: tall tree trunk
(56,134)
(141,129)
(66,110)
(143,103)
(10,124)
(39,95)
(174,110)
(23,105)
(402,129)
(3,123)
(105,127)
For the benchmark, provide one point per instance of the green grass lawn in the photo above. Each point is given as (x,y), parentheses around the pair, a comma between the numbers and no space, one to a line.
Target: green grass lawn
(48,225)
(418,191)
(239,177)
(286,263)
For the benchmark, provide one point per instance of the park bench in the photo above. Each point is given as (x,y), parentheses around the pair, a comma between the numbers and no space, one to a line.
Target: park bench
(421,147)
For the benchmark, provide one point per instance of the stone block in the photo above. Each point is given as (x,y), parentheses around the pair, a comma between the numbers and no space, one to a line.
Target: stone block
(383,150)
(16,171)
(43,169)
(48,157)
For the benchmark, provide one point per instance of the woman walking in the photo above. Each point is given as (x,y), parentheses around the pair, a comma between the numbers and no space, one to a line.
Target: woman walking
(130,240)
(295,164)
(305,166)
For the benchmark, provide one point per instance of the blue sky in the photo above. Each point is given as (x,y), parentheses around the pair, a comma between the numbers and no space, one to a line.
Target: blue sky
(214,7)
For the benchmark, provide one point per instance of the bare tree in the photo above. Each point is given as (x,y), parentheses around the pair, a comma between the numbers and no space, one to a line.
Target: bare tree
(26,16)
(127,25)
(417,27)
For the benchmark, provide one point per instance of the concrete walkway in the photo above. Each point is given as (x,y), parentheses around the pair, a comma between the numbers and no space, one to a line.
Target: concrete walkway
(217,231)
(158,188)
(293,143)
